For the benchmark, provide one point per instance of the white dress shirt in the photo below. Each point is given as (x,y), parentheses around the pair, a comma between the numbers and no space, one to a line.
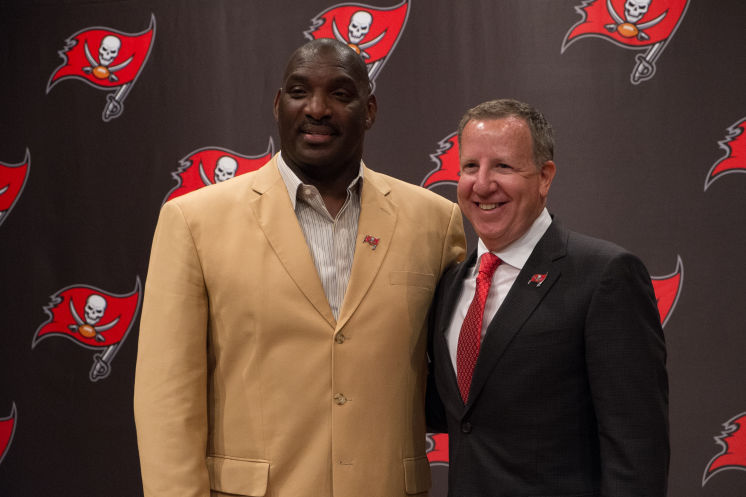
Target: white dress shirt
(330,240)
(513,258)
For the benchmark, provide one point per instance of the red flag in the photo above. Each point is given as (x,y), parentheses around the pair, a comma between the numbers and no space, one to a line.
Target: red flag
(634,24)
(449,169)
(734,160)
(211,165)
(667,290)
(371,31)
(103,57)
(733,442)
(12,180)
(90,316)
(7,428)
(437,452)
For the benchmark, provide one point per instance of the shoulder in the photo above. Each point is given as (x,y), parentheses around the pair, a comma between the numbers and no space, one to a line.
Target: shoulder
(223,195)
(403,193)
(602,254)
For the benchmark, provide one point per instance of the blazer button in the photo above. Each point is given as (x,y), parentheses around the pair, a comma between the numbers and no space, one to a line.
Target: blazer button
(466,427)
(339,338)
(340,399)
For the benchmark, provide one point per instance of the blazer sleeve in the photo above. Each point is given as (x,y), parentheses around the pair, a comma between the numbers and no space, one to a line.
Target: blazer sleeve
(625,356)
(454,243)
(170,379)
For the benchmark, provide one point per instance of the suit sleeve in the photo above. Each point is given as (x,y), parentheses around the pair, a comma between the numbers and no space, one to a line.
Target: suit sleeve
(434,409)
(454,249)
(625,356)
(170,380)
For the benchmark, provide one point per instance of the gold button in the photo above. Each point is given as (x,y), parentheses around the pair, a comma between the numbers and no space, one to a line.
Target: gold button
(339,338)
(340,399)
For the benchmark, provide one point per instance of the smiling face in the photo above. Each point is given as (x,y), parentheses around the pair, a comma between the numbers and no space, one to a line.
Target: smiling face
(323,111)
(501,189)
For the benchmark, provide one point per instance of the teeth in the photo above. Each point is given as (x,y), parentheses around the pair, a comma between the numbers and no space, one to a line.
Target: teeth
(487,207)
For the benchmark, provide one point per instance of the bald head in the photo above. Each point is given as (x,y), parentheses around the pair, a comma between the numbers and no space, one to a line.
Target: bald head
(346,57)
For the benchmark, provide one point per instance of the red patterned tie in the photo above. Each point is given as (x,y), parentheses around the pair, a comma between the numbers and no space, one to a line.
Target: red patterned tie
(471,330)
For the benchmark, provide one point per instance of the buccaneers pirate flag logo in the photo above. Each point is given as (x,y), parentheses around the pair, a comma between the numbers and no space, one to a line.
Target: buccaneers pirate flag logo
(12,180)
(371,31)
(211,165)
(635,24)
(667,290)
(92,318)
(734,160)
(448,167)
(437,449)
(7,429)
(733,442)
(107,60)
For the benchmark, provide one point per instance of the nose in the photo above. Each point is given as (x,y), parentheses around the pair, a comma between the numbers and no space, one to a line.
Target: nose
(317,106)
(485,182)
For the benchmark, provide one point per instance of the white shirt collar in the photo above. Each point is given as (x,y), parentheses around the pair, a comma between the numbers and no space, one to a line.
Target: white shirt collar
(517,253)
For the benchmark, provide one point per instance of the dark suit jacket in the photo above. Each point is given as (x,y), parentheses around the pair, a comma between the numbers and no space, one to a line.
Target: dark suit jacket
(570,393)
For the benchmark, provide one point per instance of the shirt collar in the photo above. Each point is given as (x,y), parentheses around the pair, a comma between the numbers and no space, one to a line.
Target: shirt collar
(517,253)
(293,182)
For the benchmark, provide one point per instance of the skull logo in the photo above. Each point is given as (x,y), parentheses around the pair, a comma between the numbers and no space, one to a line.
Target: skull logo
(95,306)
(225,169)
(359,25)
(634,10)
(109,49)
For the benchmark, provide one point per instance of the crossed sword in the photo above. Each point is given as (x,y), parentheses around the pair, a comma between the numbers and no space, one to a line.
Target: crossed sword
(115,100)
(102,361)
(375,67)
(645,66)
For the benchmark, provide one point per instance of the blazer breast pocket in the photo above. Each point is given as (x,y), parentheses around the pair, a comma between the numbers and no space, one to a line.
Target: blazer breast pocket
(230,476)
(409,278)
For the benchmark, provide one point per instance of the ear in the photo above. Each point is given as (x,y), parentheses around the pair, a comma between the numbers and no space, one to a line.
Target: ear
(546,175)
(277,103)
(372,108)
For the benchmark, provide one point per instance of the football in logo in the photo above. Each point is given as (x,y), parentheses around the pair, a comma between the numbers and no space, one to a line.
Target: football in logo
(92,318)
(634,24)
(667,290)
(13,178)
(372,32)
(7,429)
(210,165)
(734,160)
(448,167)
(733,442)
(106,59)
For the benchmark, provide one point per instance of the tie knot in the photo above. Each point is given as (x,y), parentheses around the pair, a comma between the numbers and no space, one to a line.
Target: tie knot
(488,264)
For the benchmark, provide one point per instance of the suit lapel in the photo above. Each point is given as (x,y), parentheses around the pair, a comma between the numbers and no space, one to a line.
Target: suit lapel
(452,287)
(378,216)
(521,301)
(275,215)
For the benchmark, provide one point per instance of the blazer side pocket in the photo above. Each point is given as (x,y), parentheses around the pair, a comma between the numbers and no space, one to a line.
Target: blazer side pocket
(238,476)
(412,279)
(416,475)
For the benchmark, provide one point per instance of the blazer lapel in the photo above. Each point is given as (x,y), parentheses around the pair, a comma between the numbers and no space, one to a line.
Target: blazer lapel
(452,287)
(521,301)
(378,216)
(275,215)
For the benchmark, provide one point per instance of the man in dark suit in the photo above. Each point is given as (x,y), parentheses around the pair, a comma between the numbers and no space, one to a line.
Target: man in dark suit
(547,348)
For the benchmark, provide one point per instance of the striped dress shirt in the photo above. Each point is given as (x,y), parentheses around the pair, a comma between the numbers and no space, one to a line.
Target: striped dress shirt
(331,240)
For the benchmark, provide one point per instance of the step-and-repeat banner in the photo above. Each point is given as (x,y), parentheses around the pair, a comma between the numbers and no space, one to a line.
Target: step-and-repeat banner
(110,108)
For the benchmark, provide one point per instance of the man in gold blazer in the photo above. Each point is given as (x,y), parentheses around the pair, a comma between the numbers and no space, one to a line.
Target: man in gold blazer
(267,366)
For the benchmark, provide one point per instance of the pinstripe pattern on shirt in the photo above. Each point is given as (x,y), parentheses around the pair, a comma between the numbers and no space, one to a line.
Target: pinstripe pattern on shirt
(330,240)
